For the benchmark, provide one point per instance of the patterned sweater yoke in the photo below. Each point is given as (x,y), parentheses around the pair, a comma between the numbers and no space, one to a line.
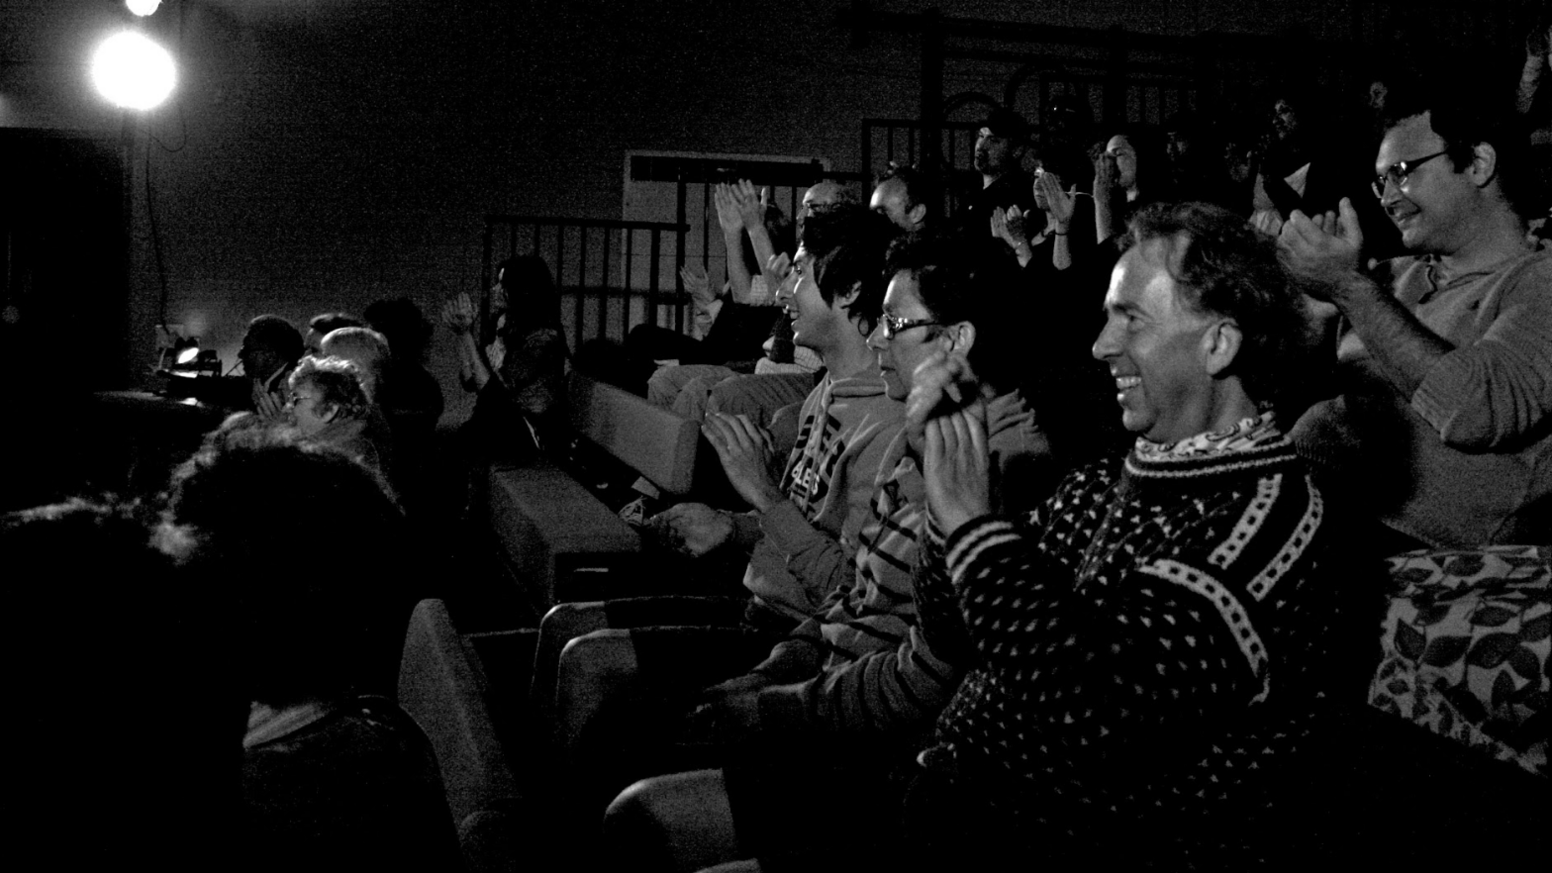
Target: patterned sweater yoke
(1156,607)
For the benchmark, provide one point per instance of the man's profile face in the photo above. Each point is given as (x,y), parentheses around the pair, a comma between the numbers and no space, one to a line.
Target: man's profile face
(813,320)
(258,360)
(993,153)
(1432,205)
(1153,345)
(889,200)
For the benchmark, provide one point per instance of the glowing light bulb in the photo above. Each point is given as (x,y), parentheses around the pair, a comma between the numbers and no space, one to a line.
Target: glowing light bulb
(142,8)
(132,71)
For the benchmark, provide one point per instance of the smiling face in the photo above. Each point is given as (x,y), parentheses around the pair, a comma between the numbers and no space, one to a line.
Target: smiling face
(1433,208)
(1154,346)
(899,356)
(814,322)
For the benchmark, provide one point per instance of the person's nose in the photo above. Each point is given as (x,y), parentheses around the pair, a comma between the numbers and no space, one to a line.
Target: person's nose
(1107,344)
(876,340)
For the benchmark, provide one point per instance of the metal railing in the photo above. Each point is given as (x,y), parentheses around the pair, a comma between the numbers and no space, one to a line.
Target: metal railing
(610,274)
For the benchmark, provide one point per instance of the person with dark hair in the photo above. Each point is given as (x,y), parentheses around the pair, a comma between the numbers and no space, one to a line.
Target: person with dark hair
(859,667)
(411,398)
(270,349)
(520,376)
(1000,146)
(1445,368)
(1150,649)
(1130,172)
(796,542)
(324,323)
(334,774)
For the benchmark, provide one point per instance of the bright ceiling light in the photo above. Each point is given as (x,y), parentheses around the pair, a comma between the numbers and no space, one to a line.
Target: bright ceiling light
(132,71)
(142,7)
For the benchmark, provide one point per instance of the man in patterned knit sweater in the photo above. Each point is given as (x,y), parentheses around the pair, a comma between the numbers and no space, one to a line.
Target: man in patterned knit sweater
(1150,648)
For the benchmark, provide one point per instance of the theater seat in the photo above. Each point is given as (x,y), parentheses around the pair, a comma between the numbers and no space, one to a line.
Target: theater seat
(443,686)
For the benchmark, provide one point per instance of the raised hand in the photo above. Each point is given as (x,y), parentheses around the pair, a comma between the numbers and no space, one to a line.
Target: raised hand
(458,313)
(746,452)
(1104,174)
(728,217)
(1325,248)
(694,527)
(751,203)
(697,284)
(1058,204)
(956,467)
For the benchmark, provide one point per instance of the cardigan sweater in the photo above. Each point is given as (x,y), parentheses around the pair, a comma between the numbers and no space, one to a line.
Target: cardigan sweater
(1151,637)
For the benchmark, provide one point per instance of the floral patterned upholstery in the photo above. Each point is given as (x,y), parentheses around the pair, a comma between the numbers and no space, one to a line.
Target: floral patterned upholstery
(1466,640)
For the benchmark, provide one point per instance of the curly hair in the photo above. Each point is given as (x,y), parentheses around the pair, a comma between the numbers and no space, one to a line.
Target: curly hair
(339,383)
(1221,265)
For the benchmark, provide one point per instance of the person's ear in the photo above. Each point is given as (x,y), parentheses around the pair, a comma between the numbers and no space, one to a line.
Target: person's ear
(845,299)
(1484,163)
(960,336)
(1220,345)
(917,213)
(328,411)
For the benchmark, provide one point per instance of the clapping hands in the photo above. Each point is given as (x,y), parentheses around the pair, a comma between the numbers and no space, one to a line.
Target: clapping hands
(747,454)
(458,313)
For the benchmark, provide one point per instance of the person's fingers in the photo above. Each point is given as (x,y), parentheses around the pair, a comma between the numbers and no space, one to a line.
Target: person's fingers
(975,424)
(1349,217)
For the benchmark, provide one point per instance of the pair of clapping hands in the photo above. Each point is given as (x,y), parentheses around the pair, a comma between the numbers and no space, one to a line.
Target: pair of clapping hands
(748,457)
(1010,224)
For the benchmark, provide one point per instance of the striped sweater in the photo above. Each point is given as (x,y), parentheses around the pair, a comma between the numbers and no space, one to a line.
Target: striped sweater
(860,663)
(1153,635)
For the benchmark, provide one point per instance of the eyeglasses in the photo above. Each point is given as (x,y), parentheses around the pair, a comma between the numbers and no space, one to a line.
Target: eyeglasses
(894,325)
(1398,172)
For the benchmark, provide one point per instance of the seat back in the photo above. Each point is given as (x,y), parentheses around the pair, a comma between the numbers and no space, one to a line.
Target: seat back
(655,442)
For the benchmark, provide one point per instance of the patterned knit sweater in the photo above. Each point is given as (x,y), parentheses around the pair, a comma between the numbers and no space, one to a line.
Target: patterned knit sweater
(1153,635)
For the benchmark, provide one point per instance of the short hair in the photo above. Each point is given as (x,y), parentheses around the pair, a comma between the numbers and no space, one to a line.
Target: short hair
(1007,123)
(1465,120)
(1223,266)
(959,282)
(367,348)
(339,383)
(307,538)
(920,187)
(276,334)
(847,245)
(325,322)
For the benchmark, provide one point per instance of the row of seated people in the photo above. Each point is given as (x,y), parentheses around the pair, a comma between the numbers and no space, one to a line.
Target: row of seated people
(951,644)
(1158,646)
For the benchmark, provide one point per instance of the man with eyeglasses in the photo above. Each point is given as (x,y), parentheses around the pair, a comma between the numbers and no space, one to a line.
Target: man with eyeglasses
(1444,425)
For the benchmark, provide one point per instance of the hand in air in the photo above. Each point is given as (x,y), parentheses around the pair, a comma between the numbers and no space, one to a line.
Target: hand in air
(694,528)
(1058,204)
(726,202)
(458,313)
(746,452)
(751,203)
(697,284)
(1323,248)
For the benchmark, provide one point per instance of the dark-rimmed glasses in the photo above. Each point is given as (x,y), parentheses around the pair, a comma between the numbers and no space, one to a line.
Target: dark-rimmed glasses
(894,325)
(1398,172)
